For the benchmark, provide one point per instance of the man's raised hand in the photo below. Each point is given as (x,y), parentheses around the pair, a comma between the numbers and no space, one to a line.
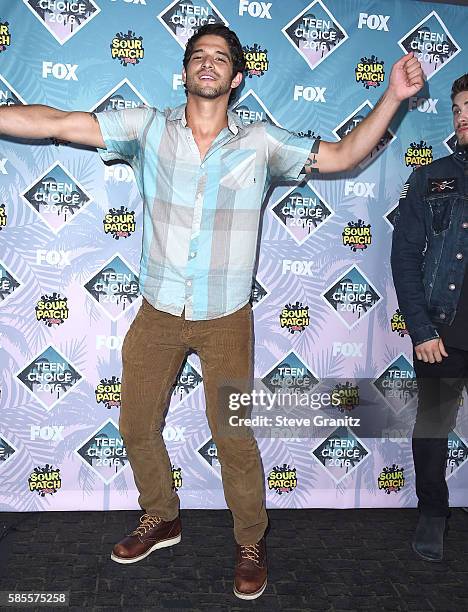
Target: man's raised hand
(406,77)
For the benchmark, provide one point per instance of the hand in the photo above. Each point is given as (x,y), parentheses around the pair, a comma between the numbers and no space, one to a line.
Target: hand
(406,77)
(431,351)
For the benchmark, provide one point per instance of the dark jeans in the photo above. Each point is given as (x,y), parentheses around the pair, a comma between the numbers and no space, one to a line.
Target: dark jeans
(440,386)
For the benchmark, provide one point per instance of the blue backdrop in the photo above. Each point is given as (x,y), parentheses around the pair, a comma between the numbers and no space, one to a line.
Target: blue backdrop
(325,310)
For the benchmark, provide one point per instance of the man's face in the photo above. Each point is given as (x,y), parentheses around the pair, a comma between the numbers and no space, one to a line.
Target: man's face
(209,71)
(460,117)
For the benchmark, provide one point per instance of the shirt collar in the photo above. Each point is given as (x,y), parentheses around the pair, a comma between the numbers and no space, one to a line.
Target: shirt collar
(178,114)
(461,152)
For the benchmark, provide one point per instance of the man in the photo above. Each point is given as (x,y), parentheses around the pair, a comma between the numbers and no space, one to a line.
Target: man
(202,175)
(429,252)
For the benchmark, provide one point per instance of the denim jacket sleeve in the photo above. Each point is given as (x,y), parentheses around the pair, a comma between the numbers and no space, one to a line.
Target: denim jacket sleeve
(407,259)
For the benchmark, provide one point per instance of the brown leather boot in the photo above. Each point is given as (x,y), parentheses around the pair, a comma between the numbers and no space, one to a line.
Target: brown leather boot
(151,534)
(251,570)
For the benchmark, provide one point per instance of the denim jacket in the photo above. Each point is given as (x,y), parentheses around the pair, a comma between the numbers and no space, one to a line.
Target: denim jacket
(430,244)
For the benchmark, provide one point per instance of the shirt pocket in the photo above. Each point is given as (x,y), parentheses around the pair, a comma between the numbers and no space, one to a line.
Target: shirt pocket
(238,169)
(441,212)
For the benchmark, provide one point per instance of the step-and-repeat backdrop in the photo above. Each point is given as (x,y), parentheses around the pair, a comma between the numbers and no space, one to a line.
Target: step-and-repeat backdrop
(326,315)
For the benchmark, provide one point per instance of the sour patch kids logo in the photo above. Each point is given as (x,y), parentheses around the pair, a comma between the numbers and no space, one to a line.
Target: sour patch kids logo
(282,479)
(45,480)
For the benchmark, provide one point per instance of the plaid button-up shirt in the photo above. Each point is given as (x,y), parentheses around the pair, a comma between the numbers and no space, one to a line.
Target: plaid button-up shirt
(200,216)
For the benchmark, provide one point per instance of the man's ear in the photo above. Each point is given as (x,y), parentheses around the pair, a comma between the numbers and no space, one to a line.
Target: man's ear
(184,76)
(237,80)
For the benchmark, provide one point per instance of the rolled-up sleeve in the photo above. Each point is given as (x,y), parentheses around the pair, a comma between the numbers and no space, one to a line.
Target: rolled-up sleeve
(287,152)
(122,132)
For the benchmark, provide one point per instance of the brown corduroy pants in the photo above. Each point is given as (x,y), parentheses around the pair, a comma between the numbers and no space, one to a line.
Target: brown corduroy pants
(153,352)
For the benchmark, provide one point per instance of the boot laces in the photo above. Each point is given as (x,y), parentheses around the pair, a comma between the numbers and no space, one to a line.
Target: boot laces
(147,522)
(251,552)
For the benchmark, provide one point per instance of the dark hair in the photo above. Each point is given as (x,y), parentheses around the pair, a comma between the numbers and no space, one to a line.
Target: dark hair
(461,84)
(218,29)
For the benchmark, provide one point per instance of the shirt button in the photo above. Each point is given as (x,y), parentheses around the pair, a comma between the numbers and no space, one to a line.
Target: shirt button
(192,254)
(459,255)
(451,286)
(189,283)
(465,225)
(442,315)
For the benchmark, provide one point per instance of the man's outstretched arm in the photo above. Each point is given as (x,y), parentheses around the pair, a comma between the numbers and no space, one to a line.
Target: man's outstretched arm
(38,121)
(406,79)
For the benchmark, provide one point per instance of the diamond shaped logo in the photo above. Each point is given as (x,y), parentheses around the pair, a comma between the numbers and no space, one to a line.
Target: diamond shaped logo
(7,450)
(352,296)
(8,95)
(315,33)
(187,381)
(123,96)
(354,120)
(8,283)
(451,142)
(431,43)
(290,374)
(208,454)
(114,287)
(63,19)
(56,196)
(259,293)
(397,384)
(390,215)
(301,211)
(457,453)
(340,453)
(104,452)
(181,18)
(250,108)
(49,377)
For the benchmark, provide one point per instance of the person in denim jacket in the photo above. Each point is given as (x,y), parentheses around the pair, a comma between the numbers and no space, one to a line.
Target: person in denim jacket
(429,253)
